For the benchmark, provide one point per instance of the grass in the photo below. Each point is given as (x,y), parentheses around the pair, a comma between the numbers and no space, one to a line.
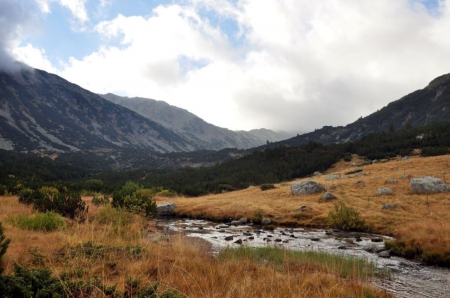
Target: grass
(95,252)
(45,222)
(421,221)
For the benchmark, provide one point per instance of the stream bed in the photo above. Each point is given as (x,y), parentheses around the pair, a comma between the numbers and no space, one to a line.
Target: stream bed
(407,278)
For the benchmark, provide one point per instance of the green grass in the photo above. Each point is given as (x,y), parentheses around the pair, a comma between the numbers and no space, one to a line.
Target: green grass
(45,222)
(283,259)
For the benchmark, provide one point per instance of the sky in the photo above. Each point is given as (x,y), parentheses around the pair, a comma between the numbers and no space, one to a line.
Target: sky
(285,65)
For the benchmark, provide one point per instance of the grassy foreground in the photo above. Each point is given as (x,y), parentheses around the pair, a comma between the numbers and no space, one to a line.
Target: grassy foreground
(113,247)
(420,222)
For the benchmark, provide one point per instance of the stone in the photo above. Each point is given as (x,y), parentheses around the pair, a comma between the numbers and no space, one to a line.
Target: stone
(235,223)
(266,221)
(315,239)
(221,227)
(333,177)
(229,238)
(304,208)
(315,174)
(307,187)
(239,241)
(389,207)
(391,181)
(407,176)
(328,196)
(166,209)
(374,248)
(377,240)
(384,254)
(384,191)
(359,182)
(428,184)
(342,247)
(243,220)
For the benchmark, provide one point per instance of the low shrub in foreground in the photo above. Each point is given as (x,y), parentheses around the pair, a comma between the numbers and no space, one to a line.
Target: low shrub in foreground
(345,218)
(45,222)
(134,198)
(97,201)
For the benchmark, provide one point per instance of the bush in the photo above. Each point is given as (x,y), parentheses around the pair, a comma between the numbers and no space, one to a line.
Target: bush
(134,198)
(434,151)
(345,218)
(347,157)
(45,222)
(97,201)
(3,190)
(4,243)
(267,186)
(26,196)
(166,193)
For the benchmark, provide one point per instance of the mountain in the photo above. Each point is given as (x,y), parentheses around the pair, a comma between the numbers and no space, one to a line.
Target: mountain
(41,111)
(421,107)
(194,128)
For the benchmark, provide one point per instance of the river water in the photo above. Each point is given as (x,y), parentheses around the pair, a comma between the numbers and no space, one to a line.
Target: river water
(407,278)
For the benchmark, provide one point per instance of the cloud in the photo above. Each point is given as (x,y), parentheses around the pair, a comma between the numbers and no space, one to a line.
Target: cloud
(286,65)
(77,8)
(15,19)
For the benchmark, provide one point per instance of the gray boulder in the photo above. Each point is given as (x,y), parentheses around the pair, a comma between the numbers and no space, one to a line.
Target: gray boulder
(428,184)
(243,220)
(166,209)
(389,207)
(307,187)
(384,191)
(328,196)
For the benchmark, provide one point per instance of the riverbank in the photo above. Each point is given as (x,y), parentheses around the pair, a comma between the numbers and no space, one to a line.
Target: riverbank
(419,222)
(112,251)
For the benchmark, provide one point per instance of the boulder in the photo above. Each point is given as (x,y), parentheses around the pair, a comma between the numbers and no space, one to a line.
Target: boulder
(384,191)
(315,174)
(328,196)
(307,187)
(166,209)
(428,184)
(243,220)
(235,223)
(384,254)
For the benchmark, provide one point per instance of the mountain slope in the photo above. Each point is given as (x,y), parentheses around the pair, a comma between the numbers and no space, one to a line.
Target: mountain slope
(421,107)
(194,128)
(41,111)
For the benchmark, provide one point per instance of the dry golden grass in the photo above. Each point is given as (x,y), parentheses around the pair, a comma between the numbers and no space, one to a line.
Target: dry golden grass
(179,264)
(424,219)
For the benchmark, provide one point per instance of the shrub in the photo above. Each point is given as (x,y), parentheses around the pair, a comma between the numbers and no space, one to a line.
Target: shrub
(347,157)
(45,222)
(48,191)
(267,186)
(26,196)
(134,199)
(3,190)
(434,151)
(345,218)
(4,242)
(166,193)
(97,201)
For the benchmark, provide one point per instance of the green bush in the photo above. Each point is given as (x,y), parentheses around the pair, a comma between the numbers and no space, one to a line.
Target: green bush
(166,193)
(97,201)
(434,151)
(347,157)
(3,190)
(26,196)
(345,218)
(4,243)
(45,222)
(134,198)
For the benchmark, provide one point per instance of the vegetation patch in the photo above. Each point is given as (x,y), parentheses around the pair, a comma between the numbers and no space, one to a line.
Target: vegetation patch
(45,222)
(345,218)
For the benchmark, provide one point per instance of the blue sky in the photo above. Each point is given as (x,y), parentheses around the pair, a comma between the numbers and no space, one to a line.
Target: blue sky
(240,64)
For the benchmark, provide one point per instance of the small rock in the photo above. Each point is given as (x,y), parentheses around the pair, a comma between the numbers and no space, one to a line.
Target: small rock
(328,196)
(384,254)
(333,177)
(342,247)
(222,227)
(304,208)
(243,220)
(407,176)
(292,236)
(359,182)
(315,239)
(239,241)
(278,240)
(235,223)
(391,181)
(384,191)
(374,248)
(266,221)
(315,174)
(251,238)
(229,238)
(389,207)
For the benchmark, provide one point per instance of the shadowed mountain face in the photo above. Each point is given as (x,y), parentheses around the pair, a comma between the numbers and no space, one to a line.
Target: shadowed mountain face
(41,111)
(421,107)
(193,128)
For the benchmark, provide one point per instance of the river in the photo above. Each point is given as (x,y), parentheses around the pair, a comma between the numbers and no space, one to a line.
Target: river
(407,278)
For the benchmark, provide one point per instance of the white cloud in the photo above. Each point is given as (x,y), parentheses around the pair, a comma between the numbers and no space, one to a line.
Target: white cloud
(77,8)
(302,64)
(34,57)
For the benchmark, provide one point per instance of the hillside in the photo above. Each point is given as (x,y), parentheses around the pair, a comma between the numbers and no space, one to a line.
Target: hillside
(420,107)
(41,111)
(194,128)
